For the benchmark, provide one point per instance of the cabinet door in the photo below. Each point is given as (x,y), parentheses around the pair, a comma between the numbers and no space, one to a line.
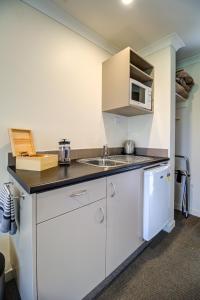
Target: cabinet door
(124,217)
(71,253)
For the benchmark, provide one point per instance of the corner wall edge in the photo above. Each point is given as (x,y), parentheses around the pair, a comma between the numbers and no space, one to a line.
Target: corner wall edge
(171,40)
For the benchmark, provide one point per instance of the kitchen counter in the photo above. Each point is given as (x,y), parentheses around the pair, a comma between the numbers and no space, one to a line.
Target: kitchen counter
(38,182)
(84,211)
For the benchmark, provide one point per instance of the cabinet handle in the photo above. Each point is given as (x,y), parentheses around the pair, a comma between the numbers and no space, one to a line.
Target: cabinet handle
(80,193)
(114,191)
(100,215)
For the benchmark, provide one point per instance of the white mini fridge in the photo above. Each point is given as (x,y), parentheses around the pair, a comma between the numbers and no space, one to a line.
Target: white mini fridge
(156,210)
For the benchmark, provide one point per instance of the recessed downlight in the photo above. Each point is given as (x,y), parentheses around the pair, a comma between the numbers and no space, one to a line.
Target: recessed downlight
(127,2)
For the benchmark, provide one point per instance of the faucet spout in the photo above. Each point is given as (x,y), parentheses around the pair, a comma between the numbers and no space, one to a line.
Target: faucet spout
(105,151)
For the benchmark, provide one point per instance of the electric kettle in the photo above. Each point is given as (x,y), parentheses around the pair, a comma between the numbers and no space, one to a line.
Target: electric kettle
(129,147)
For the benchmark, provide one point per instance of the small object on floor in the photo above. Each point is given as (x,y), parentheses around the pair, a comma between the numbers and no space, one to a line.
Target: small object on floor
(183,181)
(2,276)
(11,291)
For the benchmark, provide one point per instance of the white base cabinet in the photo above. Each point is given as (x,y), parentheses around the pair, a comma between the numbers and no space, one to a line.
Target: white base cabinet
(124,217)
(77,236)
(71,253)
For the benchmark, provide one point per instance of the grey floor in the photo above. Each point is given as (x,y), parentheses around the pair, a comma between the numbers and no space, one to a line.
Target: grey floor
(169,269)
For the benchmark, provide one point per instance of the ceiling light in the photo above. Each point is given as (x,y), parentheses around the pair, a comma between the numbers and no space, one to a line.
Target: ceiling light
(127,2)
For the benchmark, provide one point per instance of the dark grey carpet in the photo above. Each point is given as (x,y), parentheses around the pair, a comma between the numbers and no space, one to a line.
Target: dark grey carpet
(168,269)
(11,292)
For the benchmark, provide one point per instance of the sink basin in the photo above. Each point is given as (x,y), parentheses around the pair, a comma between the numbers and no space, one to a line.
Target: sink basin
(115,160)
(101,162)
(133,159)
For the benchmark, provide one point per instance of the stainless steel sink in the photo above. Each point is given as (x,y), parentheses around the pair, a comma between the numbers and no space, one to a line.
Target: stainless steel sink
(115,160)
(101,162)
(131,159)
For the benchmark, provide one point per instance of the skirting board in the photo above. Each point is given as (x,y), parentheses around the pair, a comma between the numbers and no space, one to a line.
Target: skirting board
(193,212)
(170,226)
(177,207)
(9,275)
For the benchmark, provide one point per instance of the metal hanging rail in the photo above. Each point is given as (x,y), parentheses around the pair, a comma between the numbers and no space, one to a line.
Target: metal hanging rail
(7,187)
(185,185)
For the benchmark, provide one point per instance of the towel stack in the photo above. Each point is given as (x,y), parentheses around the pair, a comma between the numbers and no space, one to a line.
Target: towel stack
(7,212)
(184,83)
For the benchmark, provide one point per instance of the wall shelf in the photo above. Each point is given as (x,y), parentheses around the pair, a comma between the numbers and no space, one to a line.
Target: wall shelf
(140,63)
(138,74)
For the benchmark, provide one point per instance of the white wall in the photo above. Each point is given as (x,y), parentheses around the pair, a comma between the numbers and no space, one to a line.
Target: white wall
(50,81)
(5,249)
(158,130)
(153,131)
(187,132)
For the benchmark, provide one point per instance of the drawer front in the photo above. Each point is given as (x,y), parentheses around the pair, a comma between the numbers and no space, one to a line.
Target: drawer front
(54,203)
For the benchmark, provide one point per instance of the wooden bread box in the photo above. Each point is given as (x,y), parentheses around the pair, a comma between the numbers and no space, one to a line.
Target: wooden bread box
(24,150)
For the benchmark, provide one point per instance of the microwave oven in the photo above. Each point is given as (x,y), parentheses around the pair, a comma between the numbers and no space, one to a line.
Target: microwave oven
(140,94)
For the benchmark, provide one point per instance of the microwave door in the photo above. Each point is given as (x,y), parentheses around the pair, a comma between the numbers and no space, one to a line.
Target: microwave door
(138,95)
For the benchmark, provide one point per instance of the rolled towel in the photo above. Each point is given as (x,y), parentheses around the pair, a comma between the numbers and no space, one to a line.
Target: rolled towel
(181,91)
(183,75)
(7,212)
(182,82)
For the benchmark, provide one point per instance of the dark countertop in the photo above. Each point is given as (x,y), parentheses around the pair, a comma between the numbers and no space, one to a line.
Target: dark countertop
(38,182)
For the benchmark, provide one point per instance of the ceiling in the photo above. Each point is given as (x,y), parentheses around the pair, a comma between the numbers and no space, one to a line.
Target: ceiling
(140,23)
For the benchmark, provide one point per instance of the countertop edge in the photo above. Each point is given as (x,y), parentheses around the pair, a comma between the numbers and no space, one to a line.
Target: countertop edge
(88,177)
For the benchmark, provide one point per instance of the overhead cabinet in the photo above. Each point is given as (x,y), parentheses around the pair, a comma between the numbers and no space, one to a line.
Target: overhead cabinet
(118,74)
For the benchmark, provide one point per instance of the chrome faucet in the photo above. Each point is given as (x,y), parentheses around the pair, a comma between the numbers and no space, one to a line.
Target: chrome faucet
(105,151)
